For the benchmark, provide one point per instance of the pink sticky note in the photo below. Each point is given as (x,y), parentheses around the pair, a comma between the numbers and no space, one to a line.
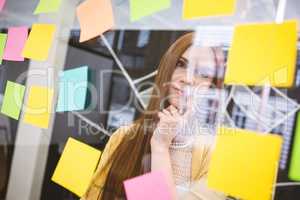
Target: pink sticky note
(150,186)
(16,39)
(2,2)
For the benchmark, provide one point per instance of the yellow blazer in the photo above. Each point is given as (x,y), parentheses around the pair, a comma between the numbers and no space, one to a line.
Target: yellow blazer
(200,160)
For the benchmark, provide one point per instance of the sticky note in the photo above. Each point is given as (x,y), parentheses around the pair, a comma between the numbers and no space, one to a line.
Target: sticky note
(16,39)
(244,163)
(3,37)
(38,108)
(263,54)
(294,170)
(203,8)
(143,8)
(76,166)
(149,186)
(13,99)
(95,17)
(47,6)
(39,42)
(2,3)
(73,89)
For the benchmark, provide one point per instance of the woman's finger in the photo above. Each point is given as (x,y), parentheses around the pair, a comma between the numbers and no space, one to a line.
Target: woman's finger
(161,115)
(173,111)
(166,112)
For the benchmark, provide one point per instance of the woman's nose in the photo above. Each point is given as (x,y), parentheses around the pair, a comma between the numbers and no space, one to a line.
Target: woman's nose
(187,80)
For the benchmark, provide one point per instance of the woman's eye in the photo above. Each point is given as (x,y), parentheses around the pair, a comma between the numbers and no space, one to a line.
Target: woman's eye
(181,63)
(204,75)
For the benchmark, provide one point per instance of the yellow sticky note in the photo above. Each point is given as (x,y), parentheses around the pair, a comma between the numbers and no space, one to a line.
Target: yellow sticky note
(38,108)
(203,8)
(76,166)
(244,163)
(95,17)
(39,42)
(263,54)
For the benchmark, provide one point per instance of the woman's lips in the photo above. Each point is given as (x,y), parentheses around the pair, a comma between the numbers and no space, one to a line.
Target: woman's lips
(179,92)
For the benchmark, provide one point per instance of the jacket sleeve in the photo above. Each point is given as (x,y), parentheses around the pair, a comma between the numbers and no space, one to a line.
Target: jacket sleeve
(98,180)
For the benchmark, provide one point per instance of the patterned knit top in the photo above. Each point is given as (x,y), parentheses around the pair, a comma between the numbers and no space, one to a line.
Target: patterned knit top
(181,161)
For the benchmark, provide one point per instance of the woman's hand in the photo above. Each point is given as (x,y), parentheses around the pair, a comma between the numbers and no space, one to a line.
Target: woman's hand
(165,131)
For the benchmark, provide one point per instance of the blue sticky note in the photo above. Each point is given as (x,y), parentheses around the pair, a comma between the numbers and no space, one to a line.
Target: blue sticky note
(73,89)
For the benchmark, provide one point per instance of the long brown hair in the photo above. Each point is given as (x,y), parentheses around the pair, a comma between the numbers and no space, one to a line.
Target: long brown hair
(127,159)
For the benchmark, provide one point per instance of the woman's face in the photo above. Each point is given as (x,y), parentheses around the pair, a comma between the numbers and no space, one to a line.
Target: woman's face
(196,67)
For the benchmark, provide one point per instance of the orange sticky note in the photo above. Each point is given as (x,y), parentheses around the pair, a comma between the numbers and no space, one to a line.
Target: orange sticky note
(95,17)
(244,163)
(38,108)
(76,166)
(263,54)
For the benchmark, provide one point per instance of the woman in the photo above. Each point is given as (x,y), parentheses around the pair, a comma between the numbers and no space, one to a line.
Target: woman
(146,145)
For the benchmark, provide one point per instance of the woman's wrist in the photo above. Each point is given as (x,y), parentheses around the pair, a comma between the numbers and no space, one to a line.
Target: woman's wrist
(158,147)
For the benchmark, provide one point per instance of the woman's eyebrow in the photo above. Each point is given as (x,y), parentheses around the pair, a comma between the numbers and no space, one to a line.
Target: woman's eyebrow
(184,59)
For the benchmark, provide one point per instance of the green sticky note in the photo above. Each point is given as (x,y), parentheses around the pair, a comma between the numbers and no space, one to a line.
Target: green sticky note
(13,99)
(142,8)
(47,6)
(3,37)
(294,171)
(73,89)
